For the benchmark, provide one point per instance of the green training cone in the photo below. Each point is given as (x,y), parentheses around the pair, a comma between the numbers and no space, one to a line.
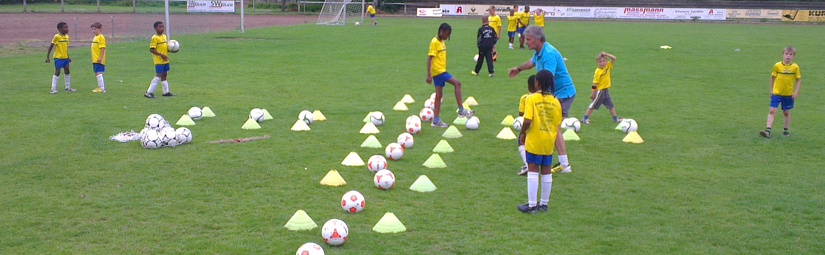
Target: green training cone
(435,161)
(267,116)
(389,224)
(508,121)
(185,121)
(443,147)
(207,112)
(300,221)
(251,124)
(423,184)
(452,132)
(460,121)
(571,135)
(371,142)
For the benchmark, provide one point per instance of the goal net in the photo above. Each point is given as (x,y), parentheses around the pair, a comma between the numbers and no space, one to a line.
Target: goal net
(339,12)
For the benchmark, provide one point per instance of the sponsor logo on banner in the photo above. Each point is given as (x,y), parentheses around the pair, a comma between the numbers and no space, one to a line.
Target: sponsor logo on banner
(428,12)
(210,6)
(803,15)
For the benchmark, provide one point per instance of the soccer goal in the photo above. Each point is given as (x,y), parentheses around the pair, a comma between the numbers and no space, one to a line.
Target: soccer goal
(339,12)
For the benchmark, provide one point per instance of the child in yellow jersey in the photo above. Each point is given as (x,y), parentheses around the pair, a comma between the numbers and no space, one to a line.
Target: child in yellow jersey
(160,50)
(601,84)
(495,23)
(98,56)
(371,11)
(437,75)
(60,44)
(531,87)
(542,117)
(538,17)
(523,22)
(785,82)
(512,25)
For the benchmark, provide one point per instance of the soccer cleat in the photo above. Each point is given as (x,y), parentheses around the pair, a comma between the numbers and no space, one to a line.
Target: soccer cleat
(586,121)
(70,90)
(440,124)
(169,94)
(491,75)
(562,170)
(474,73)
(526,208)
(53,92)
(619,120)
(542,208)
(765,134)
(523,170)
(149,95)
(97,90)
(786,134)
(466,113)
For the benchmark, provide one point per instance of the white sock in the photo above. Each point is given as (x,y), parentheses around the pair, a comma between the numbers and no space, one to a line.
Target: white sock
(563,160)
(153,85)
(100,83)
(523,153)
(546,185)
(532,188)
(68,79)
(165,87)
(55,78)
(511,45)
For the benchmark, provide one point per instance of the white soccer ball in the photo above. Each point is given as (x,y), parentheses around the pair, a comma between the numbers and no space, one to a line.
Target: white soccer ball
(572,123)
(173,46)
(384,179)
(183,135)
(629,125)
(151,139)
(167,137)
(357,23)
(306,116)
(257,114)
(376,163)
(413,118)
(427,114)
(394,151)
(432,96)
(472,123)
(353,202)
(310,249)
(335,232)
(155,122)
(518,123)
(475,58)
(429,103)
(195,113)
(414,127)
(377,118)
(406,140)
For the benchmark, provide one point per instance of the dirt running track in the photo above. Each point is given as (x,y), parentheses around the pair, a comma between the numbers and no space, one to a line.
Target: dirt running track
(38,29)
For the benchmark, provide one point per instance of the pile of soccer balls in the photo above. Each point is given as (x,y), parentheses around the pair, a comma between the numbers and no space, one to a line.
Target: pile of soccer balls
(158,133)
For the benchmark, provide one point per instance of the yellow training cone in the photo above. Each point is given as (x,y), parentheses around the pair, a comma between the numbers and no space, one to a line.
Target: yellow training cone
(251,124)
(389,224)
(452,132)
(460,121)
(633,137)
(333,179)
(443,147)
(185,121)
(571,135)
(471,101)
(367,118)
(300,125)
(369,128)
(400,106)
(508,121)
(267,116)
(435,161)
(353,160)
(423,184)
(506,134)
(318,116)
(407,99)
(207,112)
(300,221)
(371,142)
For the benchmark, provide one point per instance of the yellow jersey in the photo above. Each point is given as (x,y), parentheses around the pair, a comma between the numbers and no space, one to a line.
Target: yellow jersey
(61,46)
(525,18)
(786,76)
(512,23)
(544,112)
(438,50)
(539,19)
(98,44)
(495,22)
(371,10)
(602,76)
(159,44)
(521,104)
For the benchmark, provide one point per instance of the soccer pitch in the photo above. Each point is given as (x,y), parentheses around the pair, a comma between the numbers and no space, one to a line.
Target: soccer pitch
(704,181)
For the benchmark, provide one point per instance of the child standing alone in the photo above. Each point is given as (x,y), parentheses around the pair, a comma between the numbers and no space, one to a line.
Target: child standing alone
(785,82)
(601,84)
(437,75)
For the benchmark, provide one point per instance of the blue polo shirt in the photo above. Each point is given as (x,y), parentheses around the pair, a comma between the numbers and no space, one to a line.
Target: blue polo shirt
(549,58)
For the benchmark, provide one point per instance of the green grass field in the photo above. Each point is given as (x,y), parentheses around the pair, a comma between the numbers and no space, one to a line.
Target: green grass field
(703,182)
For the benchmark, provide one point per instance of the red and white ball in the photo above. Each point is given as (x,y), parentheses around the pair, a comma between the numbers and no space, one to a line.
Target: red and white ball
(384,179)
(335,232)
(427,114)
(406,140)
(376,162)
(394,151)
(430,103)
(310,249)
(353,202)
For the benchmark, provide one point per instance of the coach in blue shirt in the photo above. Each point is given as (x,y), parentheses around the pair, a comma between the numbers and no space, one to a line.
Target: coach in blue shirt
(548,58)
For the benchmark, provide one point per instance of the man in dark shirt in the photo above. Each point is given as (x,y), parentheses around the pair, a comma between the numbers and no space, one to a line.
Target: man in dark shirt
(486,40)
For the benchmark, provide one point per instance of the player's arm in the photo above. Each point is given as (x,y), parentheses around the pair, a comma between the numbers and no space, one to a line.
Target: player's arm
(102,55)
(49,53)
(526,66)
(429,70)
(773,79)
(525,125)
(796,91)
(155,52)
(610,56)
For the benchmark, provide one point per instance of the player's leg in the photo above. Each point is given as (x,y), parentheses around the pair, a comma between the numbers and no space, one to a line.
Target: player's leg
(458,99)
(150,92)
(532,184)
(55,77)
(594,105)
(521,38)
(488,55)
(439,94)
(511,35)
(523,153)
(546,185)
(607,101)
(99,70)
(775,100)
(479,62)
(67,76)
(787,105)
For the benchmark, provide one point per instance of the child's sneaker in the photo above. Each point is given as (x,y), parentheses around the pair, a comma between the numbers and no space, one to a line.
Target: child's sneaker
(542,208)
(786,134)
(466,113)
(586,121)
(619,120)
(474,73)
(526,208)
(523,170)
(53,92)
(149,95)
(97,90)
(562,170)
(70,90)
(765,133)
(440,124)
(491,75)
(169,94)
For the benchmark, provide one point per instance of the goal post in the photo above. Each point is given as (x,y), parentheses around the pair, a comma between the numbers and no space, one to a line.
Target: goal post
(339,12)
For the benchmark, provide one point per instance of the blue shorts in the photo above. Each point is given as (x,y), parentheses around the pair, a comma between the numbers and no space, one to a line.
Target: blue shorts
(441,79)
(99,68)
(521,30)
(541,160)
(61,63)
(159,69)
(372,16)
(511,34)
(786,101)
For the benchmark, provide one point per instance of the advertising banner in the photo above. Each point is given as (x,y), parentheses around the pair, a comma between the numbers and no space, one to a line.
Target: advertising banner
(803,16)
(210,6)
(754,14)
(428,12)
(594,12)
